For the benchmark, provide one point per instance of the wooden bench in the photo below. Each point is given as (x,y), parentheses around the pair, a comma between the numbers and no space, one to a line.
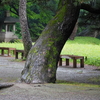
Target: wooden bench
(19,51)
(8,49)
(74,57)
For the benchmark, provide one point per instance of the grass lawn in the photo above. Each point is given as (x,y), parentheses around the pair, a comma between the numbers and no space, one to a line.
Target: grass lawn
(18,46)
(83,46)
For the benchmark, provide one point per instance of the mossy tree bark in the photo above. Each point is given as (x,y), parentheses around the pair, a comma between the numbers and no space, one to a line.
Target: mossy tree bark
(42,60)
(27,42)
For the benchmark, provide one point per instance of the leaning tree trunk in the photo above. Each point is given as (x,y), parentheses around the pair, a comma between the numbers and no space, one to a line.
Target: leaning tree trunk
(42,60)
(27,42)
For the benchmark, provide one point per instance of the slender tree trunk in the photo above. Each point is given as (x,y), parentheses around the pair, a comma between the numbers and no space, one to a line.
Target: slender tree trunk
(27,42)
(74,32)
(42,60)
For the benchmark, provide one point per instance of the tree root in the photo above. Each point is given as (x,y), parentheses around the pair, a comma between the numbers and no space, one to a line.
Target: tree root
(5,85)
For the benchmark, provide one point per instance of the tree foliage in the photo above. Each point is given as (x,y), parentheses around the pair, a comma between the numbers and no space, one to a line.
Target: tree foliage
(89,22)
(39,12)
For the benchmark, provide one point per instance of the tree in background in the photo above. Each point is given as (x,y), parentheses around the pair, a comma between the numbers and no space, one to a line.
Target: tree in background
(24,26)
(27,42)
(89,22)
(37,18)
(38,14)
(2,17)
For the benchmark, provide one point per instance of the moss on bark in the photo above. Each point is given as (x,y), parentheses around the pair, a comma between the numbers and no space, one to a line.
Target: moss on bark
(41,64)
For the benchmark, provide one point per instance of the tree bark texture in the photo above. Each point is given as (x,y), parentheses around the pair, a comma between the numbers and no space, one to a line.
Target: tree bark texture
(42,60)
(74,32)
(27,42)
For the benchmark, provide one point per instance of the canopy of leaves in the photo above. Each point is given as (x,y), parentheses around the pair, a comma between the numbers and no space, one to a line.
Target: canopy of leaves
(39,12)
(89,21)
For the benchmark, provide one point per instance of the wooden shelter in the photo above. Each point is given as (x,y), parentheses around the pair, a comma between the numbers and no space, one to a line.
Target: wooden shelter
(8,29)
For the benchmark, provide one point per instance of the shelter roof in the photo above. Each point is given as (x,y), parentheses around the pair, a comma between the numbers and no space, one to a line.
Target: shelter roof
(10,19)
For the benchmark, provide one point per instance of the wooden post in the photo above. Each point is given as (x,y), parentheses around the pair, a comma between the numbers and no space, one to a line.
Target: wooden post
(60,61)
(67,62)
(8,52)
(82,62)
(16,56)
(74,63)
(2,52)
(22,55)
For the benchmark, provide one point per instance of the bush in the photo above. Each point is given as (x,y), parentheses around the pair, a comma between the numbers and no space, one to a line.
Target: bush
(16,40)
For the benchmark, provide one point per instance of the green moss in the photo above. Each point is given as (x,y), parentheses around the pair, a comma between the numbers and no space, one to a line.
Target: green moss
(76,83)
(59,16)
(95,79)
(34,51)
(17,60)
(28,78)
(52,61)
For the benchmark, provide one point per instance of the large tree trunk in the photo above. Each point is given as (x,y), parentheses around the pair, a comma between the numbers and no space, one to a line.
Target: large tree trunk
(42,60)
(27,42)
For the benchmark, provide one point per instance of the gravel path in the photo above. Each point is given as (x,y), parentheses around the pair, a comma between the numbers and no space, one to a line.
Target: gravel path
(50,92)
(88,74)
(10,72)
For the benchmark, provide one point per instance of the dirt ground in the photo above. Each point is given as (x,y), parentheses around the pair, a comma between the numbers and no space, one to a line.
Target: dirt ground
(10,73)
(88,74)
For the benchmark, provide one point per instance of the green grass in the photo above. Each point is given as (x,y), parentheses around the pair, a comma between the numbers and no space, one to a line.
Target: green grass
(95,79)
(16,45)
(83,46)
(76,83)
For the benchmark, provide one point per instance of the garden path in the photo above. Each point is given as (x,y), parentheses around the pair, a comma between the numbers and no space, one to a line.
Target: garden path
(10,71)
